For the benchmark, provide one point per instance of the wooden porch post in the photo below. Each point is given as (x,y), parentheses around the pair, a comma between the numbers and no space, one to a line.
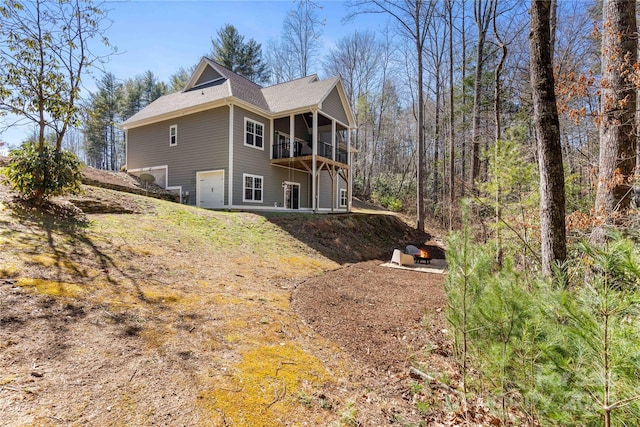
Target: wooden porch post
(292,129)
(334,182)
(314,179)
(350,180)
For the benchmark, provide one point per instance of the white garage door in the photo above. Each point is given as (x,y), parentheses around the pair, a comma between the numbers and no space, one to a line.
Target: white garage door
(210,189)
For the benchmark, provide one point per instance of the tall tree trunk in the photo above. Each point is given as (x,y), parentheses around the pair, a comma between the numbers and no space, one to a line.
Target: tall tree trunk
(452,122)
(545,117)
(436,141)
(497,106)
(482,13)
(421,161)
(463,148)
(618,106)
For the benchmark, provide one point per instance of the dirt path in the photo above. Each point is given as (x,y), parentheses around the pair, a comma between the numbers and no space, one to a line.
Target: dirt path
(387,320)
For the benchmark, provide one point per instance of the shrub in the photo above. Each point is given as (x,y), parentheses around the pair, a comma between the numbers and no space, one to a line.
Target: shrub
(39,174)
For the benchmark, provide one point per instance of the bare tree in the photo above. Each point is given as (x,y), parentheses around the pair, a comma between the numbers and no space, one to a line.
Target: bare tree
(547,126)
(301,33)
(413,17)
(618,106)
(482,14)
(44,52)
(452,121)
(360,60)
(294,54)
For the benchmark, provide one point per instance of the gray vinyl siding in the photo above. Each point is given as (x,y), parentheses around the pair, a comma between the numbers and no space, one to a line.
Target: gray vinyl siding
(324,201)
(202,145)
(332,106)
(249,160)
(207,75)
(280,175)
(253,161)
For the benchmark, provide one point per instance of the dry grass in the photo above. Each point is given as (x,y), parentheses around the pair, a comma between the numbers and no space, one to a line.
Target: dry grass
(174,314)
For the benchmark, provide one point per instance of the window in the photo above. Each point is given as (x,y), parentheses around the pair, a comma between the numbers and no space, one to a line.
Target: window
(253,133)
(343,198)
(173,135)
(252,188)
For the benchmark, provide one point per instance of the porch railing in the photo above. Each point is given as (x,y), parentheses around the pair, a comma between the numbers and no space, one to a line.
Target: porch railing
(282,149)
(342,156)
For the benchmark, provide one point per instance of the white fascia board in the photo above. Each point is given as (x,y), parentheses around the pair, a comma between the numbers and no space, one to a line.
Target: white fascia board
(175,114)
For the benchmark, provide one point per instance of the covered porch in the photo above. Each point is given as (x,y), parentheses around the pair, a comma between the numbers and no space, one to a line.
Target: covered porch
(314,142)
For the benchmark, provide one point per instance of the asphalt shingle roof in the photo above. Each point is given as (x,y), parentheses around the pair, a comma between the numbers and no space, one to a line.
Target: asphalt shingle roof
(300,93)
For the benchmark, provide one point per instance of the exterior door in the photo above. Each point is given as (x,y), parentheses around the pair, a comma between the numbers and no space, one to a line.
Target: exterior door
(292,195)
(210,189)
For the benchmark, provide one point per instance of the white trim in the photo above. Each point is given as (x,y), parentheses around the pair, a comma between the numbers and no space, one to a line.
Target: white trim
(230,166)
(197,195)
(217,103)
(205,83)
(314,179)
(250,208)
(175,114)
(176,187)
(350,164)
(292,132)
(244,199)
(342,191)
(284,194)
(150,168)
(173,134)
(271,138)
(244,133)
(126,148)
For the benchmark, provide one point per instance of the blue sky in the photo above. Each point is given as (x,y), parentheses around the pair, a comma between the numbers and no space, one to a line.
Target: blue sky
(163,36)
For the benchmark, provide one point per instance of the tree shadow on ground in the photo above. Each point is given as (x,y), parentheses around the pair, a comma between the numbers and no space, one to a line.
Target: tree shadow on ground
(57,249)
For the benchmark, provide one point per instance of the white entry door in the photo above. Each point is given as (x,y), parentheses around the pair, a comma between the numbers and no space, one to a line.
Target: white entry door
(210,189)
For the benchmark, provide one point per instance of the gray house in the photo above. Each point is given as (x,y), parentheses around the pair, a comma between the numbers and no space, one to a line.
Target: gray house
(227,143)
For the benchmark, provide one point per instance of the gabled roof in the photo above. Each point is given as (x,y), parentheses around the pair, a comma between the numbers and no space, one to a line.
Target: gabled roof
(299,93)
(212,85)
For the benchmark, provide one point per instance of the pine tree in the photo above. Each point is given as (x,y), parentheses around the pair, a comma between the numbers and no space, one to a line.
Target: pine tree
(230,50)
(103,140)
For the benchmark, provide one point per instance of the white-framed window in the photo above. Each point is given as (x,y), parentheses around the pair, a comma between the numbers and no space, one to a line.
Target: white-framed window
(253,133)
(173,135)
(343,197)
(252,188)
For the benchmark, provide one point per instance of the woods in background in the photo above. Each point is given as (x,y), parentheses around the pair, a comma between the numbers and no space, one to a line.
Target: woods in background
(433,92)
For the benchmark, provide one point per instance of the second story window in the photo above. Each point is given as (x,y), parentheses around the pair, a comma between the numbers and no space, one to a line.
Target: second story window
(254,132)
(173,135)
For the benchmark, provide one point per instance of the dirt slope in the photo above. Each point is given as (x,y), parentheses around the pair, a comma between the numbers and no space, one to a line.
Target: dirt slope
(172,315)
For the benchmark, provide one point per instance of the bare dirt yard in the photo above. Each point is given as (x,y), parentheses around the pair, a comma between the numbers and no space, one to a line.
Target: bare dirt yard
(168,315)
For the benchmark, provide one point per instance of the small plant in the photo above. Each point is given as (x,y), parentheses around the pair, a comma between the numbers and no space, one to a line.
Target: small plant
(348,416)
(423,406)
(304,398)
(416,388)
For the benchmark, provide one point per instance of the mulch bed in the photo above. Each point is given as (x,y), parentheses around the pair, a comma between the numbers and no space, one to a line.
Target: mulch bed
(381,316)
